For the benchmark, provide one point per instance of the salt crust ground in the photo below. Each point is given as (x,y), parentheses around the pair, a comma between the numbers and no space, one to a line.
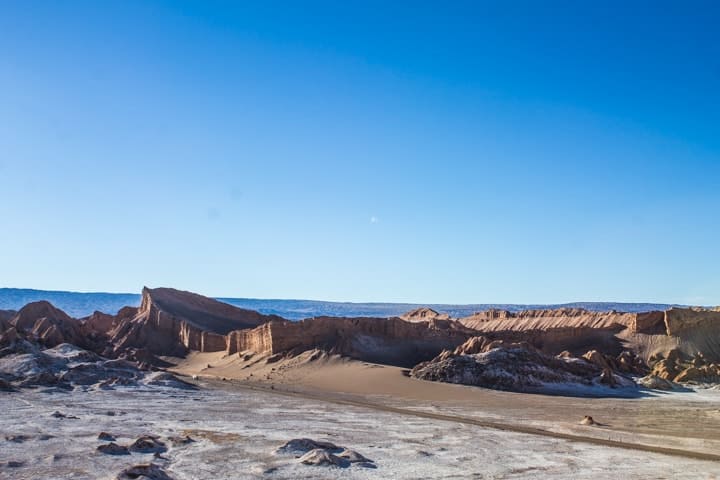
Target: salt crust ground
(238,429)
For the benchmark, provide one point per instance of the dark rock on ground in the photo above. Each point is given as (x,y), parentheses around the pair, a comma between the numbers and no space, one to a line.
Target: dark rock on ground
(320,453)
(148,444)
(113,449)
(144,472)
(319,458)
(303,445)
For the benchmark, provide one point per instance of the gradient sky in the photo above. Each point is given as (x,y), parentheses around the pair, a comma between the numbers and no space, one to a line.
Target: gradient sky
(457,152)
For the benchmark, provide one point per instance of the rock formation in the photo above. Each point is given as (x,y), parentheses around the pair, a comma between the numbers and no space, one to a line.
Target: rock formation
(66,366)
(172,322)
(679,345)
(383,340)
(517,367)
(147,471)
(572,329)
(43,323)
(321,453)
(424,314)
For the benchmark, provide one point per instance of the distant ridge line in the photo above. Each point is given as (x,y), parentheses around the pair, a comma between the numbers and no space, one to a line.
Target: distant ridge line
(80,304)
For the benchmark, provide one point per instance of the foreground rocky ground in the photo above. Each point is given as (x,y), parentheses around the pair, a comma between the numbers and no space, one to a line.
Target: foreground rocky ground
(236,433)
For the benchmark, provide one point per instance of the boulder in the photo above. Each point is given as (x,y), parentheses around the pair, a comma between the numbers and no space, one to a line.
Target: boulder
(113,449)
(587,420)
(656,383)
(143,472)
(303,445)
(319,457)
(148,444)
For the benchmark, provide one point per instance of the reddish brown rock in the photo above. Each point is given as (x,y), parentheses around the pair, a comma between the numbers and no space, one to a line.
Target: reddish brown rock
(172,322)
(382,340)
(424,314)
(43,323)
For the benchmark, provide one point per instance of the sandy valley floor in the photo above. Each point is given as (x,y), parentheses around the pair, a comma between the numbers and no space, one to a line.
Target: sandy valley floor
(687,421)
(245,408)
(237,430)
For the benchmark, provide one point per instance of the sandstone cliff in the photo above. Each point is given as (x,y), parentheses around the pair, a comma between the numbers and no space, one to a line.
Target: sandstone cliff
(173,322)
(382,340)
(573,329)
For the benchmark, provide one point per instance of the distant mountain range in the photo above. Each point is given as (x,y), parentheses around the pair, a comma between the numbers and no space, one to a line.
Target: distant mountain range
(78,304)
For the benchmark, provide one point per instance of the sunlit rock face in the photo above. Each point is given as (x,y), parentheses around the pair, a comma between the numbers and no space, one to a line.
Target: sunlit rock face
(172,322)
(382,340)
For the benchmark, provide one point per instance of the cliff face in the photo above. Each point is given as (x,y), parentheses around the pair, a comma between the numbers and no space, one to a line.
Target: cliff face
(697,331)
(382,340)
(572,329)
(500,320)
(172,322)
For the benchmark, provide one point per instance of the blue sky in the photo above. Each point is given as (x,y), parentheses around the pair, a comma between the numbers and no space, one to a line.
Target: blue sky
(457,152)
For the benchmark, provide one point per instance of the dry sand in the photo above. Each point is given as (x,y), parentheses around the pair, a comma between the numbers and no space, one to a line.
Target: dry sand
(685,421)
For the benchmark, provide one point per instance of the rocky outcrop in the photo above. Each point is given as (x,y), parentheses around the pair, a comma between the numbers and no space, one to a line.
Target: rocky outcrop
(383,340)
(424,314)
(677,366)
(553,331)
(67,366)
(517,367)
(172,322)
(320,453)
(696,330)
(147,471)
(40,322)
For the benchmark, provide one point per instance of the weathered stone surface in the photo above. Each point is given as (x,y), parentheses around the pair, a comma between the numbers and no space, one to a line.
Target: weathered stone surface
(145,471)
(303,445)
(656,383)
(148,444)
(424,314)
(321,453)
(320,458)
(383,340)
(67,366)
(515,367)
(113,449)
(43,323)
(172,322)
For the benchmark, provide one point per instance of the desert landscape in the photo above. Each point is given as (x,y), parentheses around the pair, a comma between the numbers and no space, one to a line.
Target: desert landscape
(359,240)
(183,386)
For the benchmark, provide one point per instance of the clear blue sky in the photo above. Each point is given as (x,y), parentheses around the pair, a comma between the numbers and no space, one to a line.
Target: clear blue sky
(427,152)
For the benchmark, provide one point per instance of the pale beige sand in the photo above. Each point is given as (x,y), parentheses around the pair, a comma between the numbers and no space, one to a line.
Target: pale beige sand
(684,421)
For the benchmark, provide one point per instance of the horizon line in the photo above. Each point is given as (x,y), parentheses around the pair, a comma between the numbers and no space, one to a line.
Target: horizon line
(566,303)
